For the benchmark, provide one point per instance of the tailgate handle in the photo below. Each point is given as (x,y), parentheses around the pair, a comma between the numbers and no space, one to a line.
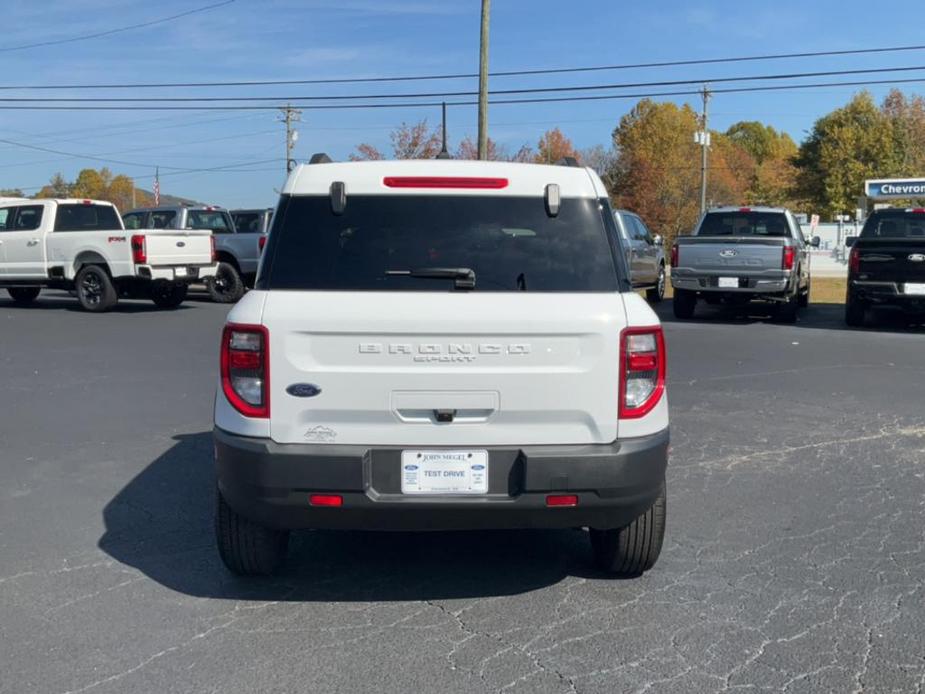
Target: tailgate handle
(445,416)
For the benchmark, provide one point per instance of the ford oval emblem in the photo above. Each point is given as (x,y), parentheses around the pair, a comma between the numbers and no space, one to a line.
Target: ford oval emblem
(728,253)
(411,468)
(303,390)
(917,257)
(181,244)
(478,467)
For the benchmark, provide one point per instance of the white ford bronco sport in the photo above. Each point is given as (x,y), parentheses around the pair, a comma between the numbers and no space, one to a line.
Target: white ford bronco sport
(437,345)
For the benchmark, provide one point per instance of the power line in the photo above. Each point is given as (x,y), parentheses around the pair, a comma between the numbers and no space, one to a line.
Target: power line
(431,95)
(435,104)
(119,30)
(451,76)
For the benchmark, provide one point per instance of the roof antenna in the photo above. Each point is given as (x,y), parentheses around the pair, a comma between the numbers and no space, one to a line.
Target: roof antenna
(444,154)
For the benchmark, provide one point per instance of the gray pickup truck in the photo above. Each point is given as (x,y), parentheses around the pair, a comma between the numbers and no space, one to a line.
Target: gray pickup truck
(238,252)
(741,254)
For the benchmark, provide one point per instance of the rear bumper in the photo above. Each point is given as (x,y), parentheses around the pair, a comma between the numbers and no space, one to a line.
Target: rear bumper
(175,273)
(270,484)
(885,293)
(749,284)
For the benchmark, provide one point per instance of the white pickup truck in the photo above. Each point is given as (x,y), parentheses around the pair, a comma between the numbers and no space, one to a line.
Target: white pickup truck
(82,246)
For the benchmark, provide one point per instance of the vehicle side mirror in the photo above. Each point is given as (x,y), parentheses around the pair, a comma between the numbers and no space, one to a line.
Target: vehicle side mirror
(816,242)
(659,241)
(849,241)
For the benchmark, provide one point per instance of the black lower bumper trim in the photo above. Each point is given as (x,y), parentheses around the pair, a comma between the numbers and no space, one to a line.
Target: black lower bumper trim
(270,483)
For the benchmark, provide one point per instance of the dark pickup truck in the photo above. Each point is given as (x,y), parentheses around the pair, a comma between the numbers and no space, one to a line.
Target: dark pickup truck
(886,265)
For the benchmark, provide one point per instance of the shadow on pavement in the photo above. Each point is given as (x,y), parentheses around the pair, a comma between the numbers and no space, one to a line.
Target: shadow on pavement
(63,302)
(161,524)
(815,316)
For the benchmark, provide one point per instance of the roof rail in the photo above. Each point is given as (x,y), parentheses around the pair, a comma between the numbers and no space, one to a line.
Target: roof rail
(568,161)
(320,158)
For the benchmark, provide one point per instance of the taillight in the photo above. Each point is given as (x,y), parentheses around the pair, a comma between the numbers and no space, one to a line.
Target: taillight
(245,369)
(467,182)
(789,255)
(674,255)
(642,371)
(854,261)
(214,252)
(261,242)
(139,249)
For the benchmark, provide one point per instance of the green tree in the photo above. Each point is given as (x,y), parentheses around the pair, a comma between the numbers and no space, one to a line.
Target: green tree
(11,193)
(845,147)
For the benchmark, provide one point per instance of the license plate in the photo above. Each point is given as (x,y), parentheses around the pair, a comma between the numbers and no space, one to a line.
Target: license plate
(914,288)
(729,282)
(444,472)
(180,272)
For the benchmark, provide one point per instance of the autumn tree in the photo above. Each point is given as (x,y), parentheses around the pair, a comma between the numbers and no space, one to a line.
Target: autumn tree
(121,193)
(554,146)
(417,141)
(91,183)
(907,119)
(56,188)
(468,149)
(657,172)
(845,147)
(773,177)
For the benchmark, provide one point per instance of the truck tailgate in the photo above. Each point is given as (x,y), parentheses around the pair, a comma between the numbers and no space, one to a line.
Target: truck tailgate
(716,254)
(171,247)
(512,368)
(896,260)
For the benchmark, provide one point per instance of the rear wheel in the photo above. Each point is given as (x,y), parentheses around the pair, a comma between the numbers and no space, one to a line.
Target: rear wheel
(787,311)
(168,294)
(633,549)
(657,293)
(23,295)
(95,291)
(804,297)
(226,287)
(246,548)
(684,303)
(855,312)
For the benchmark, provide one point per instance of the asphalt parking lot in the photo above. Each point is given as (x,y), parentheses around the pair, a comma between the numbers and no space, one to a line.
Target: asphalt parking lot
(794,561)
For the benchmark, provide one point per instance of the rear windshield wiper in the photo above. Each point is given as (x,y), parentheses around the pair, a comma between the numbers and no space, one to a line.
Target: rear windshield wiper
(463,277)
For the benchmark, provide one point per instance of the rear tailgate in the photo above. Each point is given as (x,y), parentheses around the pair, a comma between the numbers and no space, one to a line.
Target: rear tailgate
(172,247)
(512,368)
(717,255)
(895,260)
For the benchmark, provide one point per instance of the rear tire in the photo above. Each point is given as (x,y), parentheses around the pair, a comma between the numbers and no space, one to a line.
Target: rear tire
(804,297)
(226,287)
(246,548)
(168,295)
(684,303)
(629,551)
(855,313)
(23,296)
(657,293)
(95,291)
(787,311)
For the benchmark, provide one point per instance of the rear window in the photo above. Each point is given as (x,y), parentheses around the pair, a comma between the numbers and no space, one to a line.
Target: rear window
(81,217)
(218,222)
(744,224)
(511,244)
(892,224)
(247,222)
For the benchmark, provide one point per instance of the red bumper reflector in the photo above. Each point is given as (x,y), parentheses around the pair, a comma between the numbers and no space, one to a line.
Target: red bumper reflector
(326,500)
(562,500)
(444,182)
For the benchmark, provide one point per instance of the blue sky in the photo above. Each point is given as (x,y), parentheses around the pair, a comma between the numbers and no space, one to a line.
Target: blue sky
(305,39)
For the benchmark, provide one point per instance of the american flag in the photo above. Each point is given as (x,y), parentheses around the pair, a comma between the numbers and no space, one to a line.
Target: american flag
(157,187)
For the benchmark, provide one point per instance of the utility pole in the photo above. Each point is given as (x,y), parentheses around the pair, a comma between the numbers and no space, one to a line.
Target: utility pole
(290,115)
(483,82)
(703,138)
